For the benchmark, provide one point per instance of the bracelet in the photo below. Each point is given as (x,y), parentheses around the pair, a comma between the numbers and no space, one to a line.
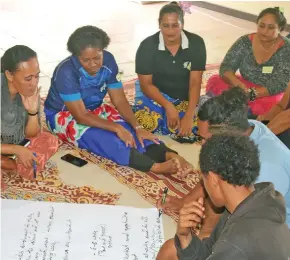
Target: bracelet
(32,114)
(138,127)
(253,94)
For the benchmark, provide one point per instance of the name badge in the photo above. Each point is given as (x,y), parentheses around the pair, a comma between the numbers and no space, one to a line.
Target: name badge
(267,69)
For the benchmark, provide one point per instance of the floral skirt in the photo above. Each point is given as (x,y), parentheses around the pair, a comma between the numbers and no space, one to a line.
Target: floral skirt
(96,140)
(152,116)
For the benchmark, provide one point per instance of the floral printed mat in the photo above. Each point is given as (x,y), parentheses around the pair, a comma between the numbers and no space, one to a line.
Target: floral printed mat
(49,187)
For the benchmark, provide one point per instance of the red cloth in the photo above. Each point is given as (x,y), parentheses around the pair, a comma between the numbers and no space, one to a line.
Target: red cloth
(260,106)
(44,145)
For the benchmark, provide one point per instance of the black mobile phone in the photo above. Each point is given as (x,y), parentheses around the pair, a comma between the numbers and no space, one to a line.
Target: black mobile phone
(74,160)
(185,140)
(25,142)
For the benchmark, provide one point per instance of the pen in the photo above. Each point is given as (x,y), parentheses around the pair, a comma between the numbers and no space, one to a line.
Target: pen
(163,200)
(34,167)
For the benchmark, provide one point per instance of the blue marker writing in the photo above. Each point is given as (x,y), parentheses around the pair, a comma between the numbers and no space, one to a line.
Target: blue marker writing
(34,167)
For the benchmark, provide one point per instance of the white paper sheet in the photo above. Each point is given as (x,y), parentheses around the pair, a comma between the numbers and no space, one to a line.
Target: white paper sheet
(59,231)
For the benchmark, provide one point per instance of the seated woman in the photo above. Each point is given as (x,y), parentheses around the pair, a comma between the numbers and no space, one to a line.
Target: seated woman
(75,110)
(263,61)
(20,115)
(169,65)
(278,118)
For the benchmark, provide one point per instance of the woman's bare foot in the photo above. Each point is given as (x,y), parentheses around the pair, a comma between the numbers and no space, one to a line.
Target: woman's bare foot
(186,167)
(171,166)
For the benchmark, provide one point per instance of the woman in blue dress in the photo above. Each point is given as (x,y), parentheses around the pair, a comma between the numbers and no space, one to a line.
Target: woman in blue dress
(75,111)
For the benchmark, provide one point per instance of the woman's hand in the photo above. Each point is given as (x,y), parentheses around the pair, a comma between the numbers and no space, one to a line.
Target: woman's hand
(185,126)
(143,134)
(173,120)
(25,156)
(31,104)
(126,136)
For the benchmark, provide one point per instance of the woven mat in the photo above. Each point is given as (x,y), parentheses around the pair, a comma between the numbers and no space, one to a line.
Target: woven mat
(48,186)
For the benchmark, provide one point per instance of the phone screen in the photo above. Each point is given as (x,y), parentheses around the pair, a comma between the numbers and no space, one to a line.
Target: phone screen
(74,160)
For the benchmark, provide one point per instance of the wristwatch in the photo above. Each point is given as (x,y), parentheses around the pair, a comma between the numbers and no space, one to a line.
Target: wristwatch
(252,94)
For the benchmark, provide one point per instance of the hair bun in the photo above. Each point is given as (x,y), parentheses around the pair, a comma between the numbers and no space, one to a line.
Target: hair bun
(280,9)
(174,3)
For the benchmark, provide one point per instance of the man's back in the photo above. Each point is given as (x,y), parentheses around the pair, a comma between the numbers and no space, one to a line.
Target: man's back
(257,229)
(275,161)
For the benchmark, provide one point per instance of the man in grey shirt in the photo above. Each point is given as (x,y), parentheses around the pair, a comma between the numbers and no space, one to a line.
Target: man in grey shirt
(253,224)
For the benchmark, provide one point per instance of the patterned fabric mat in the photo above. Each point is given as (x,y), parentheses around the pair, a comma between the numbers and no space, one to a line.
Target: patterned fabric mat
(49,187)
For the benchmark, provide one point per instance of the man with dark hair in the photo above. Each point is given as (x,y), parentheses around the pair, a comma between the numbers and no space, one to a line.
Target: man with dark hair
(229,112)
(253,224)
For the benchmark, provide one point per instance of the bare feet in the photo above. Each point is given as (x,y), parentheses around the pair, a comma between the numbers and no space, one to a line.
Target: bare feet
(171,204)
(186,167)
(171,166)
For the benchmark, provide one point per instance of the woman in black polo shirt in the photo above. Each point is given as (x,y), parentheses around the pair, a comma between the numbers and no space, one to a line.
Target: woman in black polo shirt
(169,65)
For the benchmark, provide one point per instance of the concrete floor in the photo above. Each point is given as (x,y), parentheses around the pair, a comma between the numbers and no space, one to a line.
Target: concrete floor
(46,25)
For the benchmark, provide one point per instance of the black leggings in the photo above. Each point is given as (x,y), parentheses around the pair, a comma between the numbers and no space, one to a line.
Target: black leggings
(155,153)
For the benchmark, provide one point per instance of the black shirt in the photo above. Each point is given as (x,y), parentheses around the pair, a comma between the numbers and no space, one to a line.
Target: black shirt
(171,74)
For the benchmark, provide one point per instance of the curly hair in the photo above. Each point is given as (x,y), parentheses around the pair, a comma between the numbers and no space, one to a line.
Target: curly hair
(230,109)
(14,56)
(279,16)
(235,158)
(85,37)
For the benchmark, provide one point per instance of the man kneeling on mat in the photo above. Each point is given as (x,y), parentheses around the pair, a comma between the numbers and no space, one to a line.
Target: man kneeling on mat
(253,223)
